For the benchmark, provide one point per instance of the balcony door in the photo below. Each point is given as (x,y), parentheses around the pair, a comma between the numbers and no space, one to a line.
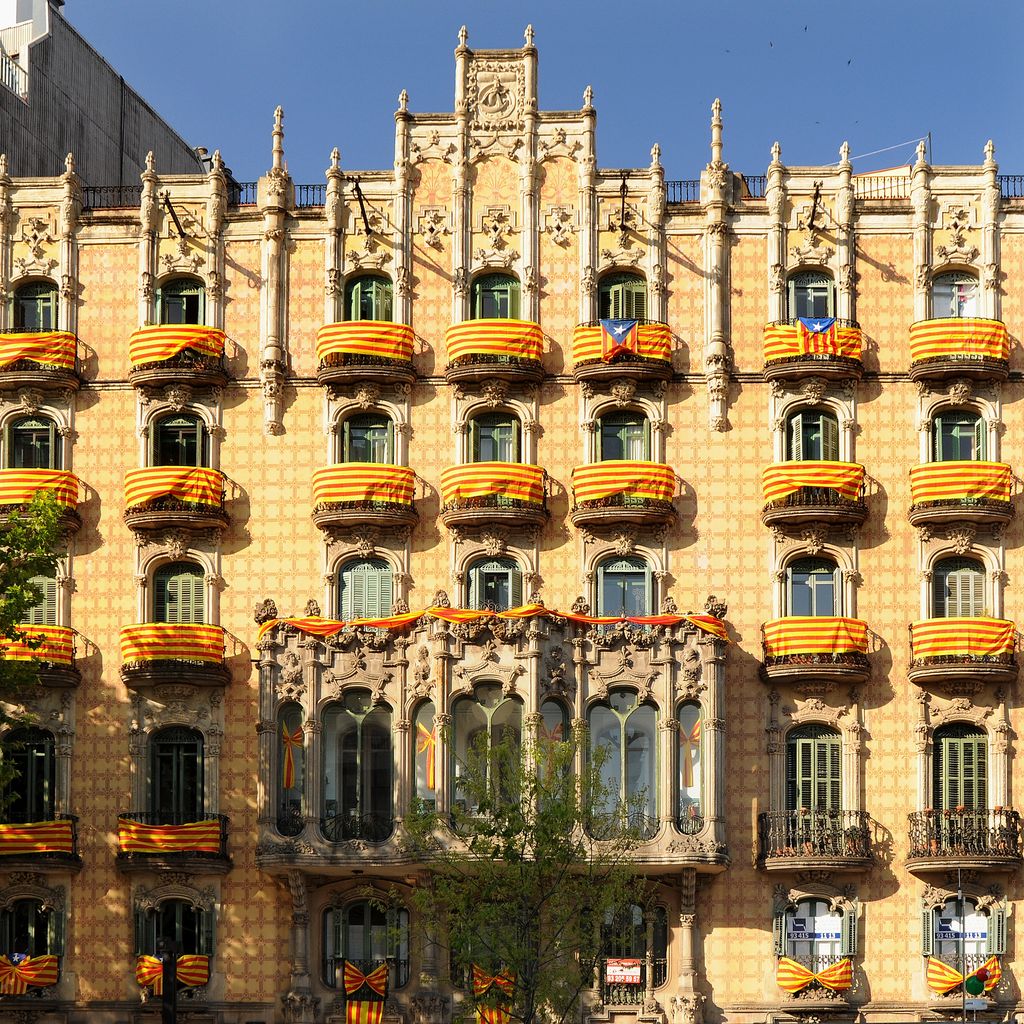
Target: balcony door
(958,588)
(960,768)
(812,435)
(813,769)
(32,795)
(811,584)
(958,437)
(176,776)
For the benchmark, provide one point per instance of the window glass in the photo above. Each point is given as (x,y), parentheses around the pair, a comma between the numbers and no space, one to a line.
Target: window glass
(813,769)
(958,588)
(812,434)
(28,929)
(955,295)
(181,301)
(814,932)
(292,769)
(625,435)
(35,307)
(365,589)
(960,768)
(178,593)
(958,436)
(495,584)
(495,437)
(812,587)
(495,296)
(689,809)
(189,928)
(368,298)
(366,934)
(368,438)
(179,441)
(952,928)
(32,794)
(176,776)
(425,745)
(622,297)
(811,294)
(33,444)
(479,723)
(624,587)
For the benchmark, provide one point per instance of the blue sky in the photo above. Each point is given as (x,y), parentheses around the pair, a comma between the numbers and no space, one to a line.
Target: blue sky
(810,74)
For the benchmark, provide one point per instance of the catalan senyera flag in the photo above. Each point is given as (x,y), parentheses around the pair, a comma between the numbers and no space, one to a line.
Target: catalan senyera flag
(365,338)
(689,751)
(794,977)
(944,481)
(57,647)
(816,335)
(48,348)
(364,1011)
(426,743)
(290,742)
(192,484)
(18,486)
(376,980)
(363,481)
(959,336)
(652,341)
(814,634)
(970,637)
(943,978)
(787,341)
(481,479)
(29,972)
(37,837)
(517,339)
(176,641)
(650,480)
(164,341)
(193,970)
(781,479)
(503,983)
(619,336)
(194,837)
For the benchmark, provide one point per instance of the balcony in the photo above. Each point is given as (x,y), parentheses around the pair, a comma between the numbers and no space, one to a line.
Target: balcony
(961,492)
(334,970)
(645,354)
(829,493)
(55,655)
(806,840)
(50,845)
(971,651)
(610,493)
(189,354)
(793,350)
(156,653)
(364,350)
(959,347)
(44,360)
(19,486)
(157,841)
(974,840)
(373,827)
(815,650)
(362,493)
(815,983)
(481,350)
(625,981)
(497,494)
(170,497)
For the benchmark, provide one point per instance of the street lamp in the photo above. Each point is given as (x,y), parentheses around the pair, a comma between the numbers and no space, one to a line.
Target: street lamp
(167,953)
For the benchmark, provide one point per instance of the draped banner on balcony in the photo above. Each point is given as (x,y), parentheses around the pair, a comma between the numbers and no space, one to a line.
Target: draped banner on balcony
(787,341)
(426,743)
(814,634)
(944,481)
(654,341)
(498,989)
(968,637)
(290,742)
(192,484)
(482,479)
(518,339)
(794,977)
(48,348)
(598,480)
(784,478)
(369,1008)
(943,978)
(19,973)
(193,970)
(365,338)
(363,481)
(689,752)
(57,647)
(183,641)
(164,341)
(193,837)
(959,336)
(37,837)
(18,486)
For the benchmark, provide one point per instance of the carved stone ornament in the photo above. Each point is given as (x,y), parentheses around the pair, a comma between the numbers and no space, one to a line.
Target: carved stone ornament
(433,226)
(367,395)
(961,537)
(623,391)
(624,541)
(30,399)
(496,97)
(958,251)
(812,251)
(178,396)
(960,391)
(265,611)
(440,599)
(813,389)
(176,542)
(290,684)
(494,544)
(814,539)
(433,149)
(719,609)
(495,392)
(559,145)
(560,224)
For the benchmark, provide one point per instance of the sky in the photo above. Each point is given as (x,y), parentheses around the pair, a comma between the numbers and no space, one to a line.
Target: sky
(878,73)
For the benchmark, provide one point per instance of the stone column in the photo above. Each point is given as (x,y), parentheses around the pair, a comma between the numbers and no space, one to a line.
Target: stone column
(920,198)
(775,202)
(668,754)
(149,225)
(688,1004)
(530,244)
(713,737)
(587,203)
(461,195)
(216,212)
(6,221)
(990,207)
(333,209)
(403,213)
(300,1005)
(70,209)
(846,241)
(656,254)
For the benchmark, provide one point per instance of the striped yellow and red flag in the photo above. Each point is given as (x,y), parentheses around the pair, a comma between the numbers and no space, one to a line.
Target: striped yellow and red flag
(784,478)
(426,743)
(365,338)
(32,972)
(786,341)
(37,837)
(650,480)
(959,336)
(363,481)
(181,641)
(793,977)
(57,647)
(519,339)
(689,751)
(193,837)
(376,980)
(19,486)
(193,484)
(364,1011)
(654,341)
(944,481)
(499,1011)
(814,634)
(970,637)
(164,341)
(943,978)
(48,348)
(290,742)
(193,970)
(480,479)
(314,625)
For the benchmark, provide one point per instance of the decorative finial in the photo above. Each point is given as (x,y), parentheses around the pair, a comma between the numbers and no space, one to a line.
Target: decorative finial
(716,132)
(150,161)
(529,35)
(588,97)
(217,163)
(990,152)
(463,36)
(278,138)
(844,153)
(3,165)
(655,155)
(335,159)
(69,164)
(776,153)
(921,150)
(716,112)
(403,100)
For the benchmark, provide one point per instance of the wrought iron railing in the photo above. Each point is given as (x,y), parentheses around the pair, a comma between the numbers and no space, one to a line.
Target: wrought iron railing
(622,821)
(310,195)
(961,832)
(757,185)
(242,193)
(290,821)
(615,993)
(686,190)
(690,821)
(180,818)
(815,834)
(333,966)
(1011,186)
(882,186)
(374,826)
(12,817)
(111,197)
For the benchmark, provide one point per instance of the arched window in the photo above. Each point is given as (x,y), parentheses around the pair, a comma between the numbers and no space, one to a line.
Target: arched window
(367,934)
(690,812)
(176,776)
(813,769)
(494,437)
(623,735)
(494,584)
(954,294)
(368,297)
(176,921)
(625,937)
(292,770)
(624,587)
(425,756)
(815,933)
(622,297)
(178,593)
(365,589)
(43,613)
(552,729)
(33,443)
(28,928)
(982,934)
(958,435)
(958,588)
(812,587)
(960,768)
(182,300)
(32,795)
(357,769)
(624,435)
(811,294)
(35,307)
(179,440)
(495,296)
(368,437)
(480,723)
(812,434)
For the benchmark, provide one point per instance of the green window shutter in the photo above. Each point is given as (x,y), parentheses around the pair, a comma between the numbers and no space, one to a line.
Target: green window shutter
(45,612)
(516,440)
(938,454)
(848,936)
(639,301)
(834,788)
(996,943)
(980,436)
(805,773)
(927,931)
(55,932)
(813,769)
(178,593)
(829,438)
(779,933)
(515,587)
(206,932)
(792,783)
(796,438)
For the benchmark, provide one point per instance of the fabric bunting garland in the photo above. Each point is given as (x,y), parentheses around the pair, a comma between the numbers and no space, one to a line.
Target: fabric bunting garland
(426,743)
(793,977)
(814,634)
(193,971)
(361,481)
(290,742)
(175,641)
(193,837)
(784,478)
(365,338)
(518,339)
(195,485)
(18,486)
(968,637)
(57,647)
(653,341)
(503,983)
(945,481)
(37,837)
(943,979)
(18,974)
(959,336)
(48,348)
(482,479)
(369,1009)
(650,480)
(164,341)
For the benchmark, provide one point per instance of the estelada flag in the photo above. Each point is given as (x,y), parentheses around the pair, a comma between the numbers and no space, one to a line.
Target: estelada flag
(817,334)
(618,336)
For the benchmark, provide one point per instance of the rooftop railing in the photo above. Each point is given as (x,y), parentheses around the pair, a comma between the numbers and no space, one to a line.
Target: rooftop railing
(683,191)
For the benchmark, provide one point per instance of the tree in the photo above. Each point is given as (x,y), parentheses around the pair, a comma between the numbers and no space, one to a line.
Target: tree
(517,881)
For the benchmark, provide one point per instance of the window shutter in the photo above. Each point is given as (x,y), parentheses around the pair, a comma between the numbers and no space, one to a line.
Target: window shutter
(792,786)
(386,591)
(140,930)
(977,601)
(805,773)
(979,797)
(192,602)
(796,438)
(516,446)
(835,774)
(206,932)
(515,588)
(829,438)
(779,933)
(939,593)
(55,932)
(996,944)
(927,931)
(45,612)
(952,772)
(615,301)
(356,590)
(848,938)
(639,311)
(979,439)
(937,435)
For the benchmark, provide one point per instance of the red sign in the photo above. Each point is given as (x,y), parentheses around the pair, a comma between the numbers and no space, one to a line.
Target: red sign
(619,971)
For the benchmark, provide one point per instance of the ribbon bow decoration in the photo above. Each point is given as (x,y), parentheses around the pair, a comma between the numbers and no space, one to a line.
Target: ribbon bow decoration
(376,980)
(942,978)
(193,970)
(793,977)
(290,742)
(505,983)
(426,743)
(16,975)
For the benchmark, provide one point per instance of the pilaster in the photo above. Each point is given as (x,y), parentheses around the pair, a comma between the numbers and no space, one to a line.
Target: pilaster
(402,214)
(990,208)
(920,198)
(149,222)
(846,240)
(588,211)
